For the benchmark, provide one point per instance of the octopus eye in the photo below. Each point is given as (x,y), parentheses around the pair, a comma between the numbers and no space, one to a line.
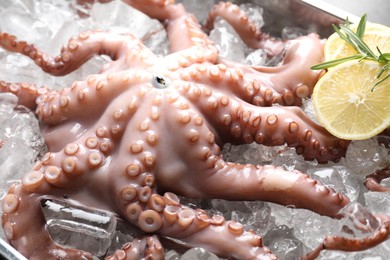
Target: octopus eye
(160,82)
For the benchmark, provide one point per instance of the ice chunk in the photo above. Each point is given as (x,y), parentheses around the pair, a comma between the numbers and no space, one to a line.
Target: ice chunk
(378,202)
(255,215)
(27,70)
(366,156)
(76,226)
(293,32)
(124,19)
(251,153)
(67,29)
(329,177)
(52,16)
(25,5)
(228,42)
(172,255)
(21,141)
(308,108)
(282,242)
(27,24)
(257,58)
(309,227)
(198,254)
(339,178)
(201,11)
(386,182)
(290,160)
(357,221)
(254,13)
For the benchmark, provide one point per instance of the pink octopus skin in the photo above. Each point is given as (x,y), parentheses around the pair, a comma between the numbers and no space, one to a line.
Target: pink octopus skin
(146,128)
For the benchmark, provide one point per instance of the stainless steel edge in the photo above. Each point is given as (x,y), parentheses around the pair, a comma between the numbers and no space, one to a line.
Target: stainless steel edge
(8,252)
(306,12)
(332,10)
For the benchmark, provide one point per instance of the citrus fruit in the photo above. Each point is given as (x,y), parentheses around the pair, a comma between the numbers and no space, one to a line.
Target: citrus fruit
(374,35)
(345,104)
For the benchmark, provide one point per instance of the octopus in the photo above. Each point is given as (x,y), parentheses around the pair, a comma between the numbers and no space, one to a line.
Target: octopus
(146,129)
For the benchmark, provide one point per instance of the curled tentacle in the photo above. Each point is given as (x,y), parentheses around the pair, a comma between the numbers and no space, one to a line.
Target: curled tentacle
(288,83)
(381,234)
(249,33)
(78,50)
(373,180)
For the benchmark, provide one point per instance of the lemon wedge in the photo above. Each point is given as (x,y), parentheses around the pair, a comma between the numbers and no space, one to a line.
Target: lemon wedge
(345,104)
(375,35)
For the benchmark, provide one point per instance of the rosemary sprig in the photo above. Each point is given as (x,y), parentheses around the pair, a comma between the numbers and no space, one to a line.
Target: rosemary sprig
(364,52)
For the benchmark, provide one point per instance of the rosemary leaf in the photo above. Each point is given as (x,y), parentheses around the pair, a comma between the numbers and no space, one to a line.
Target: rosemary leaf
(332,63)
(384,68)
(361,27)
(357,43)
(364,52)
(380,81)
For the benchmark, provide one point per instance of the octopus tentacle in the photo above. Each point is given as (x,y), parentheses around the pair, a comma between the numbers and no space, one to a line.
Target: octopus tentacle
(27,93)
(294,79)
(373,180)
(274,184)
(247,30)
(301,54)
(287,84)
(28,234)
(165,215)
(79,50)
(277,126)
(381,234)
(143,249)
(78,100)
(239,122)
(195,47)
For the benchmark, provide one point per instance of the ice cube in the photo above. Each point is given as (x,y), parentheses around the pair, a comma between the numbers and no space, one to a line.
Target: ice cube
(51,16)
(227,41)
(293,32)
(172,255)
(257,58)
(254,13)
(290,160)
(24,5)
(378,202)
(308,227)
(27,24)
(308,108)
(251,153)
(201,11)
(366,156)
(198,254)
(77,226)
(282,242)
(357,222)
(339,178)
(20,138)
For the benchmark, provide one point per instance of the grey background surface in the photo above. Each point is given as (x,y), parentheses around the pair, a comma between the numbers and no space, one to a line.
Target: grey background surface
(377,10)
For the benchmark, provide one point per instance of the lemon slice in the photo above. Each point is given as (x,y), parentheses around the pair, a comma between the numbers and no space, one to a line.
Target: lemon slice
(346,106)
(374,35)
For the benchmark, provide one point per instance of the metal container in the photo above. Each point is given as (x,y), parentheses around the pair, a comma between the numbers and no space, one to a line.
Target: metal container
(315,15)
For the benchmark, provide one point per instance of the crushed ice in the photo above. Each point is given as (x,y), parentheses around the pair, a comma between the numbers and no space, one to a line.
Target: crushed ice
(288,232)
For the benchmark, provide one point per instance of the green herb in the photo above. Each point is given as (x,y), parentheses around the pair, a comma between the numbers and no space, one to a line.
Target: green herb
(364,52)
